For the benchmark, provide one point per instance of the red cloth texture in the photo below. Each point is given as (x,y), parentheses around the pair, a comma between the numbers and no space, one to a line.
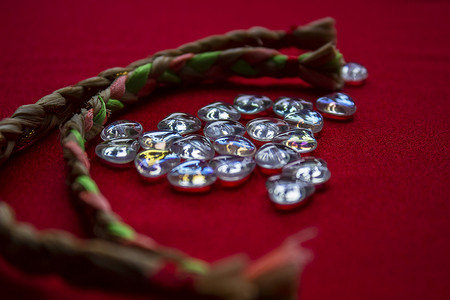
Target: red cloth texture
(383,220)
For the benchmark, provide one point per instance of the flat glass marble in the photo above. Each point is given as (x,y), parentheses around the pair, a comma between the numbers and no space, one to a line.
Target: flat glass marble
(301,140)
(232,168)
(158,139)
(354,73)
(274,156)
(193,146)
(218,111)
(336,106)
(182,123)
(117,152)
(265,129)
(152,164)
(286,193)
(192,175)
(285,105)
(217,129)
(234,145)
(308,169)
(305,118)
(252,104)
(122,129)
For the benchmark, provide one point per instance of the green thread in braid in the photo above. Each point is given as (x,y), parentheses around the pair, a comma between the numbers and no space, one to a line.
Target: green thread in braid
(87,183)
(303,56)
(78,137)
(121,230)
(243,68)
(203,61)
(101,115)
(194,266)
(169,77)
(138,78)
(334,64)
(280,60)
(114,105)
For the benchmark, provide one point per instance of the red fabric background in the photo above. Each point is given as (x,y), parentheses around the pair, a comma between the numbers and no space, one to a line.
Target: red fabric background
(384,219)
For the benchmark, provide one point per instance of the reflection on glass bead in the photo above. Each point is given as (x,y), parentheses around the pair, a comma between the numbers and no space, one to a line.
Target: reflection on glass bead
(218,111)
(275,156)
(193,146)
(155,163)
(353,73)
(117,152)
(232,168)
(336,106)
(158,139)
(301,140)
(234,145)
(217,129)
(180,122)
(309,169)
(265,129)
(286,193)
(305,118)
(192,175)
(286,105)
(122,129)
(252,104)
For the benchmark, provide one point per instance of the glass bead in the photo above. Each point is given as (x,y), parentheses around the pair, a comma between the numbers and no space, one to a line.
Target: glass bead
(218,111)
(234,145)
(286,105)
(122,129)
(193,146)
(336,106)
(232,168)
(192,175)
(154,163)
(158,139)
(275,156)
(217,129)
(252,104)
(305,118)
(182,123)
(117,152)
(286,193)
(308,169)
(301,140)
(354,73)
(265,129)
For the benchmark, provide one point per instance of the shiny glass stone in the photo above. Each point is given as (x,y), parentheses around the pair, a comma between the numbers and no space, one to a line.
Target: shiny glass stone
(286,105)
(192,175)
(354,73)
(193,146)
(265,129)
(232,168)
(336,106)
(154,163)
(158,139)
(301,140)
(286,193)
(305,118)
(217,129)
(218,111)
(234,145)
(308,169)
(117,152)
(252,104)
(122,129)
(182,123)
(275,156)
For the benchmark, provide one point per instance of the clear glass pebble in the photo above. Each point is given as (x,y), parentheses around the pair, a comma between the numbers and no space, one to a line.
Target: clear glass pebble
(305,118)
(192,175)
(182,123)
(301,140)
(217,129)
(252,104)
(309,169)
(121,129)
(234,145)
(275,156)
(286,105)
(218,111)
(265,129)
(232,168)
(158,139)
(193,146)
(336,106)
(153,163)
(118,152)
(287,193)
(354,73)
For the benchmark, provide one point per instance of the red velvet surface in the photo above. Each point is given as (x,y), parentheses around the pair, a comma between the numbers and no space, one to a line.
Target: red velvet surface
(383,221)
